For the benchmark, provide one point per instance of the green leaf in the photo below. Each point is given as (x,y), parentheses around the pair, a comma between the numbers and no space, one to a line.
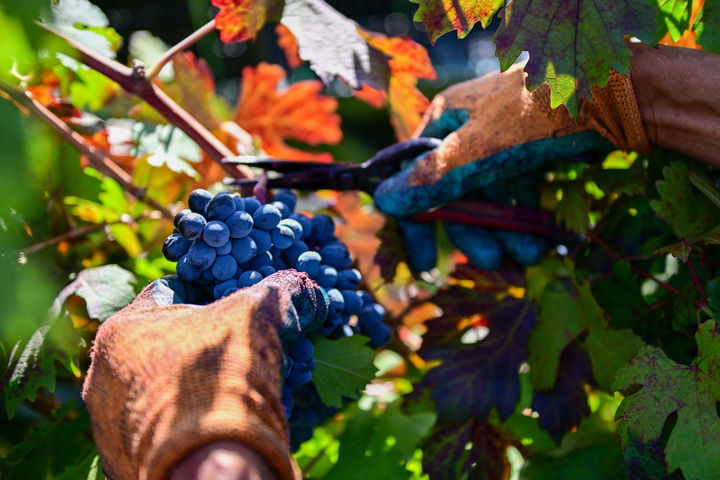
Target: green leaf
(573,210)
(691,391)
(342,368)
(88,469)
(34,370)
(348,55)
(573,45)
(105,290)
(675,15)
(442,16)
(148,48)
(85,23)
(707,26)
(380,441)
(692,216)
(166,145)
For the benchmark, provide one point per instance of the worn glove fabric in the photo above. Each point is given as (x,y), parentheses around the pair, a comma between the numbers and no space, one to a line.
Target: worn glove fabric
(165,380)
(495,129)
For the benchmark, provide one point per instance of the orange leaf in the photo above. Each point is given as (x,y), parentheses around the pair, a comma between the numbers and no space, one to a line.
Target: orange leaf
(688,39)
(288,43)
(372,96)
(298,113)
(408,62)
(240,20)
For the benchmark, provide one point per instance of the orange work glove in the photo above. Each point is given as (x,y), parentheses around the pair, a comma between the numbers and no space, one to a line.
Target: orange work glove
(494,129)
(166,380)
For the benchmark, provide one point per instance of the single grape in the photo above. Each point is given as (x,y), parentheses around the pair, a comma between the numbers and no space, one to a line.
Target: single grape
(175,246)
(192,225)
(353,302)
(295,250)
(179,215)
(243,249)
(230,291)
(266,217)
(224,267)
(201,255)
(266,270)
(198,200)
(262,239)
(221,207)
(306,224)
(337,302)
(251,277)
(240,224)
(282,237)
(225,249)
(239,203)
(323,228)
(309,262)
(336,255)
(327,276)
(186,271)
(216,233)
(293,225)
(303,350)
(349,279)
(261,260)
(251,204)
(221,287)
(282,208)
(287,197)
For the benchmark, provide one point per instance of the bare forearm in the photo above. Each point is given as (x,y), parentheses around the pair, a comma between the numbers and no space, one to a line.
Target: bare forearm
(223,460)
(676,90)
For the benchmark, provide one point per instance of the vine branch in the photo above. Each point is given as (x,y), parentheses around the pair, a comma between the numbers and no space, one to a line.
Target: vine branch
(154,71)
(97,157)
(134,81)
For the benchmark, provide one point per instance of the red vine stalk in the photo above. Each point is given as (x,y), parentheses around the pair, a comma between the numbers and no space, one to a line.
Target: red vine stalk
(154,71)
(97,157)
(697,283)
(134,80)
(72,234)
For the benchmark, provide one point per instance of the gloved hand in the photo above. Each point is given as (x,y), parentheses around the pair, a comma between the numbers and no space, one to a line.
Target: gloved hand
(168,380)
(495,131)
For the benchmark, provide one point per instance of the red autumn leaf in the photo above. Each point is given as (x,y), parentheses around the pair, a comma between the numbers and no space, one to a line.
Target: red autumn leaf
(240,20)
(442,16)
(288,43)
(408,62)
(298,113)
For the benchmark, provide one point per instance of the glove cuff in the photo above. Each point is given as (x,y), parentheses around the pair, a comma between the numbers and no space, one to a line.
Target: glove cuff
(613,112)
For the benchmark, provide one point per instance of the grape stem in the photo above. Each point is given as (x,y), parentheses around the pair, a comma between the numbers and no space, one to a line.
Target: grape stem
(97,158)
(697,282)
(185,43)
(135,81)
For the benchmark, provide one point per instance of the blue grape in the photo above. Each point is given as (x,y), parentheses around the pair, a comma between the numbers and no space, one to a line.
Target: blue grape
(224,267)
(243,249)
(230,291)
(240,224)
(192,225)
(251,204)
(175,246)
(306,224)
(220,288)
(287,197)
(327,276)
(301,374)
(303,350)
(380,336)
(282,208)
(198,200)
(332,324)
(261,260)
(262,239)
(323,228)
(221,207)
(179,215)
(225,249)
(337,302)
(336,255)
(266,270)
(186,271)
(216,233)
(239,203)
(353,302)
(367,300)
(309,262)
(266,217)
(295,250)
(251,277)
(206,277)
(278,261)
(282,237)
(293,225)
(201,255)
(349,279)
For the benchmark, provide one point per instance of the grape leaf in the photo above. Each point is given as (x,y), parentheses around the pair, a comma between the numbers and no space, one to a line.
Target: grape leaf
(240,20)
(105,290)
(646,460)
(298,113)
(473,378)
(165,145)
(466,449)
(365,441)
(342,368)
(573,210)
(88,469)
(408,62)
(85,23)
(565,404)
(288,43)
(707,26)
(666,387)
(35,369)
(692,216)
(391,250)
(564,37)
(333,45)
(442,16)
(147,48)
(675,15)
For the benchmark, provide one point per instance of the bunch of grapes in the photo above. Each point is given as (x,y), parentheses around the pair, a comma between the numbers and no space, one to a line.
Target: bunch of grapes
(225,242)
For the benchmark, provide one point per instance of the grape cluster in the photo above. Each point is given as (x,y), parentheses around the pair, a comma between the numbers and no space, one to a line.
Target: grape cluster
(225,242)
